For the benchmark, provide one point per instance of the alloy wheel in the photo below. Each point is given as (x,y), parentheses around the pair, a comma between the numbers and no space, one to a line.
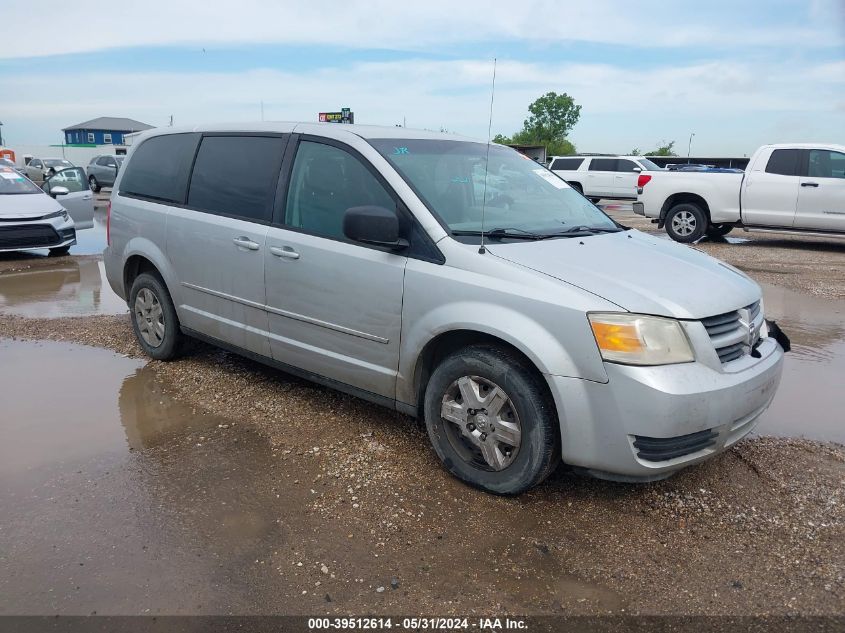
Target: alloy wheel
(684,223)
(149,317)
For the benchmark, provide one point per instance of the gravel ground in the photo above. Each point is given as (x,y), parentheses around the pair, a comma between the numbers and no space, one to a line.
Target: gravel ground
(758,530)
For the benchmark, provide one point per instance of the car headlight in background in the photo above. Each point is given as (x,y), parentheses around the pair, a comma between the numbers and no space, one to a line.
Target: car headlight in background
(638,339)
(56,214)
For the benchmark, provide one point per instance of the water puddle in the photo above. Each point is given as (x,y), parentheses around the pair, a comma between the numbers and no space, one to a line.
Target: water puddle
(811,399)
(117,498)
(69,287)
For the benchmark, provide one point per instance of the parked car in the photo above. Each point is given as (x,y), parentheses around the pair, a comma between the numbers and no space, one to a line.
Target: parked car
(102,171)
(5,162)
(525,329)
(29,218)
(39,169)
(597,177)
(787,188)
(70,187)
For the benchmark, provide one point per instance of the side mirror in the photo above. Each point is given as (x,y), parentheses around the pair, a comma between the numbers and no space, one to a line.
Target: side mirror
(373,225)
(59,191)
(637,169)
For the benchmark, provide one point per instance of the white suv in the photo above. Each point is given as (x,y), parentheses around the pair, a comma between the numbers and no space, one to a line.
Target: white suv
(612,177)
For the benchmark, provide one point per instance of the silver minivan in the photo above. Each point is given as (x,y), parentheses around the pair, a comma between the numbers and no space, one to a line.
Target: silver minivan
(453,281)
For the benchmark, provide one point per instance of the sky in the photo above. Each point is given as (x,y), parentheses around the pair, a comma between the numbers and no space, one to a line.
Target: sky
(736,74)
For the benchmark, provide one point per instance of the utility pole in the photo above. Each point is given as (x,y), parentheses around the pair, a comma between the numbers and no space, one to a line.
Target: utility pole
(689,147)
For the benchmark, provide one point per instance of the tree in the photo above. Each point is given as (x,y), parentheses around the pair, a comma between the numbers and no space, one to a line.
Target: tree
(551,118)
(635,152)
(663,150)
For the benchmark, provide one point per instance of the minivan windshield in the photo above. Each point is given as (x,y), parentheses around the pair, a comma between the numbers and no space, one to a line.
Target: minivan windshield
(523,199)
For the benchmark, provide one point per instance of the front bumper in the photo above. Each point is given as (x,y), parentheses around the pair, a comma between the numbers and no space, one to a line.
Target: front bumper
(605,426)
(35,234)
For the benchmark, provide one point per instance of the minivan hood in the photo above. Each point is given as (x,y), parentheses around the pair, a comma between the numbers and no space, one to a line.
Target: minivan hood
(638,272)
(27,205)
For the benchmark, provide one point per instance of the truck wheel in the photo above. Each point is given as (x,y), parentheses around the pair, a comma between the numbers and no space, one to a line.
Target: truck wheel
(686,222)
(154,318)
(719,230)
(490,421)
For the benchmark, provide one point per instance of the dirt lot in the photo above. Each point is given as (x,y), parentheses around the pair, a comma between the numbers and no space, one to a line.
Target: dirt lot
(255,492)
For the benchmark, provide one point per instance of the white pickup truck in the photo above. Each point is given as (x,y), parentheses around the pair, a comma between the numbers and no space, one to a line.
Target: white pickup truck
(791,188)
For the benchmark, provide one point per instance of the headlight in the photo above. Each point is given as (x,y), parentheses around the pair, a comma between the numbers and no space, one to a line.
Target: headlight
(637,339)
(56,214)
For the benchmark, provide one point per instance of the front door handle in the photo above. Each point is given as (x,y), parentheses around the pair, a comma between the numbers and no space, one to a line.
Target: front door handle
(287,252)
(245,242)
(809,184)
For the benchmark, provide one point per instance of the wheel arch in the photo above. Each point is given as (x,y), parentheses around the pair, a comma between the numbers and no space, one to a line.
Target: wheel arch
(681,198)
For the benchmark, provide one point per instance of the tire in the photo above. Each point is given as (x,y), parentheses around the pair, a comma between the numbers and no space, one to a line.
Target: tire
(577,187)
(595,200)
(93,184)
(60,251)
(719,230)
(686,222)
(164,342)
(526,458)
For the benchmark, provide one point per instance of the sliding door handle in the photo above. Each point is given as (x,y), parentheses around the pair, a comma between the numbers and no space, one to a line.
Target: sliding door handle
(245,242)
(809,184)
(287,252)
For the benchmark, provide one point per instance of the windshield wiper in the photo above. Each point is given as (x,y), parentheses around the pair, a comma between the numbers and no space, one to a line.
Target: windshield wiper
(586,230)
(499,233)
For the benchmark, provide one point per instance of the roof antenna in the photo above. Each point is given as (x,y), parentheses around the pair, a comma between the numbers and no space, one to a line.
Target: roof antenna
(481,249)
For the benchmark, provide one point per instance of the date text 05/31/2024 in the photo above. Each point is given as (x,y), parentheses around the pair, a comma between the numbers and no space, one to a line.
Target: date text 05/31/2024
(417,624)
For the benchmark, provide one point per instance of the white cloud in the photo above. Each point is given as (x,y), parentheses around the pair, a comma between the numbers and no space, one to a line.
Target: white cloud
(386,24)
(621,108)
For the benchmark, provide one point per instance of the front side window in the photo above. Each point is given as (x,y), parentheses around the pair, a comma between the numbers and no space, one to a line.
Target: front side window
(237,175)
(783,162)
(73,179)
(824,163)
(325,182)
(159,168)
(517,194)
(35,163)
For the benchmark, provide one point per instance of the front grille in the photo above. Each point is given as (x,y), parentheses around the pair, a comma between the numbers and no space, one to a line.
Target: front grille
(734,333)
(28,236)
(661,449)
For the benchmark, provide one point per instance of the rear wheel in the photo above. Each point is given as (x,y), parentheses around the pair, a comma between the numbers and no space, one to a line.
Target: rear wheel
(154,318)
(92,182)
(686,222)
(719,230)
(490,421)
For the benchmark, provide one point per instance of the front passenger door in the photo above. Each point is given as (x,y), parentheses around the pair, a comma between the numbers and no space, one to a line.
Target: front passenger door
(79,201)
(821,196)
(334,306)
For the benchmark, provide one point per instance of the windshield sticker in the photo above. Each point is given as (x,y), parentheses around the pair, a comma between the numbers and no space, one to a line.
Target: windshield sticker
(549,177)
(399,151)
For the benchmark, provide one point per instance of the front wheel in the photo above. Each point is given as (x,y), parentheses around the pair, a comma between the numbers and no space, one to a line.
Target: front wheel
(719,230)
(490,421)
(154,318)
(686,222)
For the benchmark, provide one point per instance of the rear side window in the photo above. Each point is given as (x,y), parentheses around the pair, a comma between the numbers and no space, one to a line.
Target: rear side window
(160,167)
(237,175)
(603,164)
(784,162)
(568,164)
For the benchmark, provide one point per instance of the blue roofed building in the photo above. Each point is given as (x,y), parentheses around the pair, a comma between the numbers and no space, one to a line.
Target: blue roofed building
(102,131)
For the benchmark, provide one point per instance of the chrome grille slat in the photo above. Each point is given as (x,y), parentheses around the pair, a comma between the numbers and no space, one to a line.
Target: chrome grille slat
(728,333)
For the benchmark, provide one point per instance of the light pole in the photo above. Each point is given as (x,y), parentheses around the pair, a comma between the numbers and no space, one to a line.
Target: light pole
(1,133)
(689,147)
